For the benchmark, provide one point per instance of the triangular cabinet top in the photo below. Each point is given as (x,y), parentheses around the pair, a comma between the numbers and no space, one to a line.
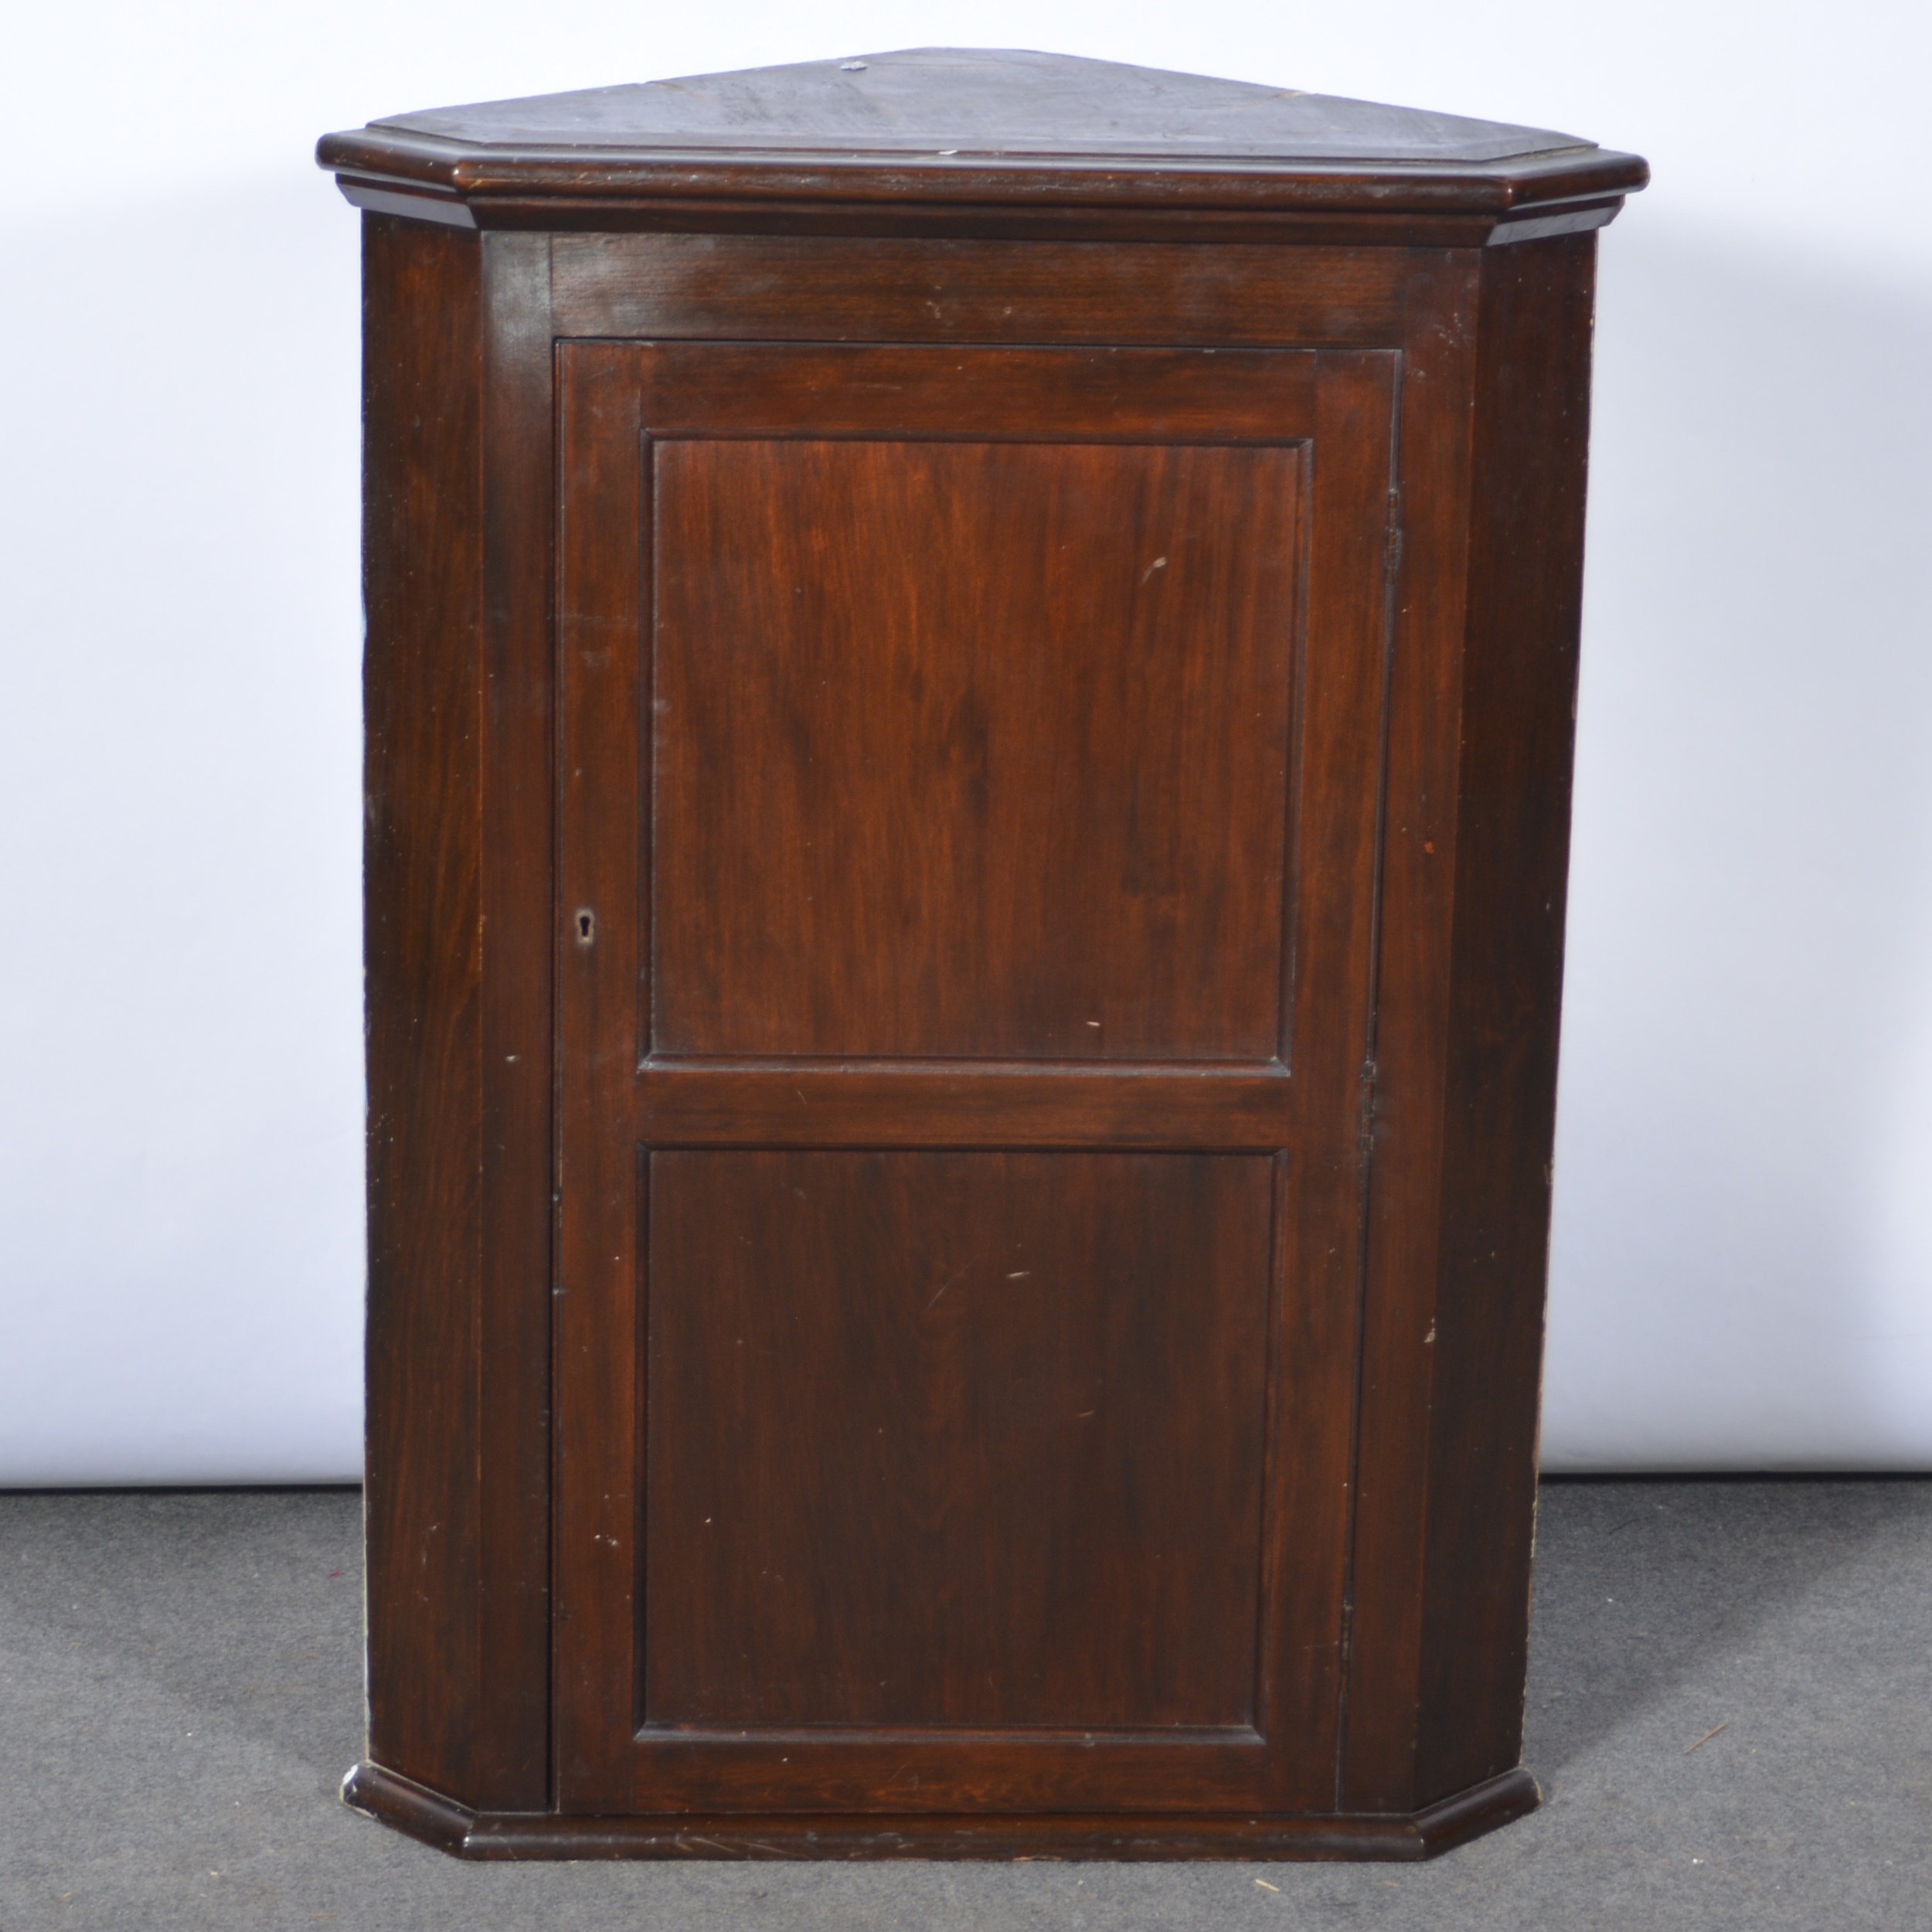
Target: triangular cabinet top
(965,141)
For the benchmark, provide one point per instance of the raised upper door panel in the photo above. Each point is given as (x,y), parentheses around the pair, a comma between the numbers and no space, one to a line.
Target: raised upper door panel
(970,684)
(971,749)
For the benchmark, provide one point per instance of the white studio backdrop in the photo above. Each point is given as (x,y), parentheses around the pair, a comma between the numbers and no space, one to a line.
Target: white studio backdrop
(1743,1254)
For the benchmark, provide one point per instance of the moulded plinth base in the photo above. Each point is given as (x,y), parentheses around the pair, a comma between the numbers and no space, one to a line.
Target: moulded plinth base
(455,1828)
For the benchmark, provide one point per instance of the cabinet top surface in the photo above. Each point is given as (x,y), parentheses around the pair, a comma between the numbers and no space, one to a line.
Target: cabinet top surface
(984,126)
(942,101)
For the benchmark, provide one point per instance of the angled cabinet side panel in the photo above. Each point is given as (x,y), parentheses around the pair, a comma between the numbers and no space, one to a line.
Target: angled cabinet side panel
(1518,712)
(422,562)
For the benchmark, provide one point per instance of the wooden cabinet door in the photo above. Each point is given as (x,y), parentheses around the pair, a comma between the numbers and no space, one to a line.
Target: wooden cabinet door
(970,762)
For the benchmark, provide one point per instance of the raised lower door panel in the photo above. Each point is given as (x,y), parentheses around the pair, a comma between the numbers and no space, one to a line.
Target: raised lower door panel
(970,767)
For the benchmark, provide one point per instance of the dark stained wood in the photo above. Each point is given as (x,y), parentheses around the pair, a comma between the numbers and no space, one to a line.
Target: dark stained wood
(1333,1010)
(812,289)
(1473,898)
(1033,1386)
(979,140)
(963,1104)
(422,537)
(1417,902)
(1518,707)
(1107,703)
(978,101)
(459,937)
(517,936)
(1403,1838)
(598,1177)
(618,403)
(890,756)
(1320,211)
(1058,396)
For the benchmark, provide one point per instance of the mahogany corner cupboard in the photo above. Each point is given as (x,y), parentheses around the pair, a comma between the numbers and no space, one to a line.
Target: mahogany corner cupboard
(970,682)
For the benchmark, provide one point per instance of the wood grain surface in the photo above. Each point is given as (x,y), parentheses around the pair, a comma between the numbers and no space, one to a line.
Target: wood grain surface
(968,792)
(422,538)
(887,1016)
(496,1837)
(945,767)
(980,142)
(1033,1389)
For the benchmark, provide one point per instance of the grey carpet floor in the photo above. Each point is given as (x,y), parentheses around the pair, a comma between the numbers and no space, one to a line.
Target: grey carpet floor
(179,1696)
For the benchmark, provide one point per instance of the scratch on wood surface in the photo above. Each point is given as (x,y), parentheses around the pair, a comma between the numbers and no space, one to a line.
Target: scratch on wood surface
(948,1282)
